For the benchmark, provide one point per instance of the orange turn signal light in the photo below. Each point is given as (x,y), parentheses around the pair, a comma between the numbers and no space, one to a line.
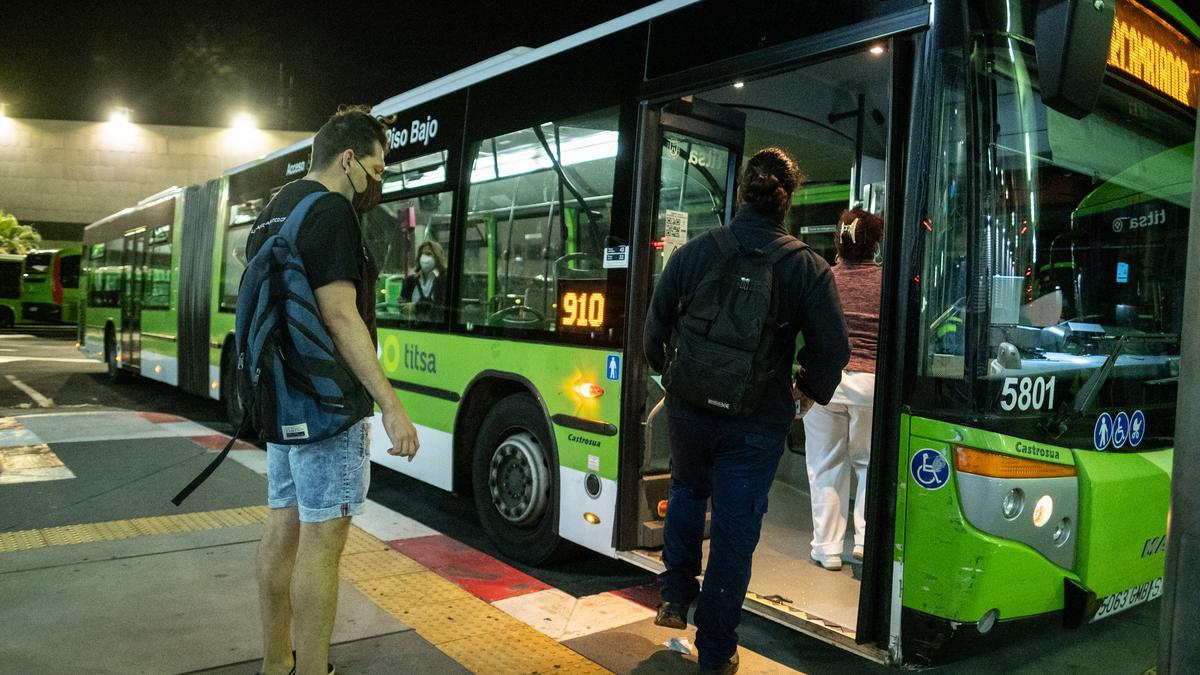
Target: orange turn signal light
(589,390)
(997,465)
(662,508)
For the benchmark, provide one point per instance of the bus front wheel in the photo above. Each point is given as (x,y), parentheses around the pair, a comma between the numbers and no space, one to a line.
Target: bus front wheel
(514,480)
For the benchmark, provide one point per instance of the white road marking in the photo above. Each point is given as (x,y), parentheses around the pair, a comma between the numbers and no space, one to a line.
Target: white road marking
(11,359)
(565,617)
(34,394)
(15,336)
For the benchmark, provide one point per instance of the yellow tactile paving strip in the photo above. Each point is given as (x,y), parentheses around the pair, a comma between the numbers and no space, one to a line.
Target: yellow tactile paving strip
(126,529)
(480,637)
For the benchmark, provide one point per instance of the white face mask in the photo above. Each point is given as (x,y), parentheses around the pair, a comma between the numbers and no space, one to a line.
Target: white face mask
(426,262)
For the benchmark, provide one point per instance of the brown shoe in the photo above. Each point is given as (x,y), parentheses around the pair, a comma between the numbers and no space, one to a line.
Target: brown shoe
(730,667)
(672,615)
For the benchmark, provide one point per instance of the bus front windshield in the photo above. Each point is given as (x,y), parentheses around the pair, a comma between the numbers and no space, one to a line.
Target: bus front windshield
(1079,260)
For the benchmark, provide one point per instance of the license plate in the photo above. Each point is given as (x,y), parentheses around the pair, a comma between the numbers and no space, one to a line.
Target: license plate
(1130,597)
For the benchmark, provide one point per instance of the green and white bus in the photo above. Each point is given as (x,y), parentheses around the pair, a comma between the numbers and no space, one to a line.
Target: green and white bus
(12,266)
(1023,426)
(133,276)
(50,285)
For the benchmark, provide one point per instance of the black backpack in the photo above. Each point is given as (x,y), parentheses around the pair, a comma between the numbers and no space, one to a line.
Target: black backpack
(724,340)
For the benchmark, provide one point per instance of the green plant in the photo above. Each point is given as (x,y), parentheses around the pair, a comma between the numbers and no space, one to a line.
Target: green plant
(15,237)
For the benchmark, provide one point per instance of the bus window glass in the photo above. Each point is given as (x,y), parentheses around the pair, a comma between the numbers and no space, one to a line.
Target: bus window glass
(241,217)
(943,276)
(691,197)
(393,232)
(416,172)
(538,215)
(104,284)
(156,291)
(10,278)
(70,271)
(37,265)
(1083,248)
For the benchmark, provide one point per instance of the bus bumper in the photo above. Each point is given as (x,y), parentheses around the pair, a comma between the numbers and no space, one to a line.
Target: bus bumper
(41,311)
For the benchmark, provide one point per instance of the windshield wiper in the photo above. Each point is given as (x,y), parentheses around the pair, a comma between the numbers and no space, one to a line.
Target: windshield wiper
(1056,423)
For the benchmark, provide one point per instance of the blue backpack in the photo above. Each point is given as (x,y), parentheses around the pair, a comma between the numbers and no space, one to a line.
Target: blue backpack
(294,385)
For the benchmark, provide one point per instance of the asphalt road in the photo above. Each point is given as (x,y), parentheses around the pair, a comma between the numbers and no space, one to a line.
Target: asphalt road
(40,366)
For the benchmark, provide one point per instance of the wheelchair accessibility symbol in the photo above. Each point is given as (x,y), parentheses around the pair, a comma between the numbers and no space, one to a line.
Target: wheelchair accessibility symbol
(930,469)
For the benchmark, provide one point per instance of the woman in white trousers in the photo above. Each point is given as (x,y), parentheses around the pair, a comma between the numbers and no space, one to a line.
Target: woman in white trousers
(837,441)
(838,435)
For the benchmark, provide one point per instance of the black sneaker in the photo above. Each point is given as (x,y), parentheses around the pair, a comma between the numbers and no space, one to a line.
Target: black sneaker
(729,668)
(332,670)
(672,615)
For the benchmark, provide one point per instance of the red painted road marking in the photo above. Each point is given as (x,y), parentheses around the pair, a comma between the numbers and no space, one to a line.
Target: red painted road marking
(646,595)
(218,441)
(161,418)
(475,571)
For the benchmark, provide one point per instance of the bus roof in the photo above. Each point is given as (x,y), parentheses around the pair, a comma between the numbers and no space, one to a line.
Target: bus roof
(65,249)
(1176,12)
(304,143)
(1166,176)
(491,67)
(521,56)
(143,203)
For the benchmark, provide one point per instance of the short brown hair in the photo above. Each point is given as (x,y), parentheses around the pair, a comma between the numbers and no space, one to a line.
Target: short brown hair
(350,127)
(856,234)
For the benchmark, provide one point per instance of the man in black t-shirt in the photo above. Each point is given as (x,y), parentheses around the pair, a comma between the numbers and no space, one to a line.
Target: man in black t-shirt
(314,489)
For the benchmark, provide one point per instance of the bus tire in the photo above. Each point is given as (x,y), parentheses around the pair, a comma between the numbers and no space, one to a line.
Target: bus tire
(234,411)
(514,477)
(116,374)
(6,318)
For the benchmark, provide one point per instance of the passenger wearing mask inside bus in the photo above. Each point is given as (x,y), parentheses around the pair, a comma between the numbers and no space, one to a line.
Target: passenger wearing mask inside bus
(423,295)
(838,435)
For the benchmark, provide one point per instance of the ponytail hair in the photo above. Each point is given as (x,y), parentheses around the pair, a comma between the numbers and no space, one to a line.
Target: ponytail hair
(768,181)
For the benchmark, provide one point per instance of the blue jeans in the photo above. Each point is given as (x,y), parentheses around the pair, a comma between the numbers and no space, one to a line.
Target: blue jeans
(323,480)
(713,458)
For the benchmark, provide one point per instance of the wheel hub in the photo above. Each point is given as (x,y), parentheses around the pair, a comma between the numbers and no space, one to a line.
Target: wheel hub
(519,479)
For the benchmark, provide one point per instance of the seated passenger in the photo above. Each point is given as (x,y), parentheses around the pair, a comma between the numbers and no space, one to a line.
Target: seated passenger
(423,295)
(838,435)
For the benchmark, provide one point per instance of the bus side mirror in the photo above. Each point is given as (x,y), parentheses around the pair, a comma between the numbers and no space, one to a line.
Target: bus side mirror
(1072,41)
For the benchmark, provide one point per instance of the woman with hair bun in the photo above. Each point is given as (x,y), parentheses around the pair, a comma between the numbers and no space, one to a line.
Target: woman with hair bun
(733,459)
(838,435)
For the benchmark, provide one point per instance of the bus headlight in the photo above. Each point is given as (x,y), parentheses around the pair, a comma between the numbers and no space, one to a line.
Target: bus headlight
(1014,503)
(1043,510)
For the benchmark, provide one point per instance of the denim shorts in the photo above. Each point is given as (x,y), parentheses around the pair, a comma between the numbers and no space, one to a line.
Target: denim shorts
(323,480)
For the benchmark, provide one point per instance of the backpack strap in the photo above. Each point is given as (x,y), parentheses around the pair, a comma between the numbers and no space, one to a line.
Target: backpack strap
(291,226)
(776,250)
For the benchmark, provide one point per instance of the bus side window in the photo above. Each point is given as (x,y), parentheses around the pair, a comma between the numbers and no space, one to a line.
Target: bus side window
(538,216)
(393,233)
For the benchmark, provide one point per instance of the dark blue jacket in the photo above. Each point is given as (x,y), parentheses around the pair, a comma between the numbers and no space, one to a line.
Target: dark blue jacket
(808,302)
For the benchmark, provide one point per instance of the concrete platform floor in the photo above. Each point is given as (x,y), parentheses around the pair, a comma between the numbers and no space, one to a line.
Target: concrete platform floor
(166,603)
